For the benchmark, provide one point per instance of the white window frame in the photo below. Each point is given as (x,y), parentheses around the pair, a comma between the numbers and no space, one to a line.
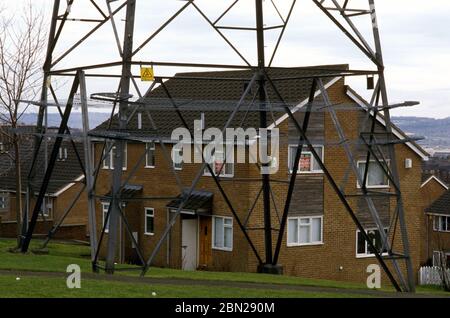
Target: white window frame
(148,152)
(227,249)
(305,151)
(111,159)
(146,215)
(223,173)
(310,218)
(386,186)
(437,225)
(366,255)
(105,208)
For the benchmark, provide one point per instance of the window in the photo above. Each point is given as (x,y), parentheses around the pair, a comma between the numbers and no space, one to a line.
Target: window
(307,163)
(47,207)
(149,221)
(3,201)
(150,156)
(439,257)
(441,223)
(223,233)
(105,208)
(108,162)
(2,147)
(62,154)
(376,178)
(219,166)
(362,247)
(177,158)
(304,231)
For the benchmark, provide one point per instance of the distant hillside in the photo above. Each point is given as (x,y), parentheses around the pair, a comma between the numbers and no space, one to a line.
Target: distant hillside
(435,131)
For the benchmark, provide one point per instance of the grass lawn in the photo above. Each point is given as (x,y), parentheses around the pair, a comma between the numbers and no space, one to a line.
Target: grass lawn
(60,255)
(35,287)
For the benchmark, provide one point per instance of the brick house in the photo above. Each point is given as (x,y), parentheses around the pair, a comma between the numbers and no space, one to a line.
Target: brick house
(438,230)
(66,183)
(321,239)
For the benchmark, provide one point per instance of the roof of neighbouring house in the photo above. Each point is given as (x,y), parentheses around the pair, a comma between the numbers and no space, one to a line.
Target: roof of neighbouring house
(437,180)
(217,98)
(199,202)
(441,205)
(66,171)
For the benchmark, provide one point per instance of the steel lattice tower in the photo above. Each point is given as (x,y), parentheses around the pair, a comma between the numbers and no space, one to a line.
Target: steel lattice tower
(341,13)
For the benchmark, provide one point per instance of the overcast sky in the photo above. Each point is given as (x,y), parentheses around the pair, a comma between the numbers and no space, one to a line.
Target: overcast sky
(415,37)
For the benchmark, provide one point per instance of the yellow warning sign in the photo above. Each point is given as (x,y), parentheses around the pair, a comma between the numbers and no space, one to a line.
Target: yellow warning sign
(147,74)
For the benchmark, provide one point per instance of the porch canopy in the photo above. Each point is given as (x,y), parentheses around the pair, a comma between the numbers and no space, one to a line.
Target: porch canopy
(199,203)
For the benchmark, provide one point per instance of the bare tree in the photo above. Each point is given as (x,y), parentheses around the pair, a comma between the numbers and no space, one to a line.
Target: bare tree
(22,42)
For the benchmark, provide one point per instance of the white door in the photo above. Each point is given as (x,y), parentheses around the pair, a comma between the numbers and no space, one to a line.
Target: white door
(189,245)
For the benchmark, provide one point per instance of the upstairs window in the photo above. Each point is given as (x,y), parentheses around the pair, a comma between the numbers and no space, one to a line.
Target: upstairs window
(219,166)
(441,223)
(307,162)
(376,177)
(304,231)
(150,155)
(362,247)
(177,157)
(108,162)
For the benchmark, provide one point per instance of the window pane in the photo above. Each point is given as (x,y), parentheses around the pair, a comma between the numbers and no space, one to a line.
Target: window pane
(151,154)
(305,234)
(228,221)
(305,163)
(150,224)
(315,165)
(304,221)
(228,237)
(218,232)
(374,238)
(361,248)
(293,231)
(316,230)
(376,176)
(361,168)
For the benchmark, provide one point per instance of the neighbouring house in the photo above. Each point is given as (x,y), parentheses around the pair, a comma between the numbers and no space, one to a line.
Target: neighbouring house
(438,230)
(321,240)
(431,189)
(66,183)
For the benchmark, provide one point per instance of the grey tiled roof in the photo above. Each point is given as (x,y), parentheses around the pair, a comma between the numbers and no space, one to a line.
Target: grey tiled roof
(441,205)
(210,97)
(64,172)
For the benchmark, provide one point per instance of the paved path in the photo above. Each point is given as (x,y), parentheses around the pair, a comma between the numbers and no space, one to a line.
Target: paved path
(219,283)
